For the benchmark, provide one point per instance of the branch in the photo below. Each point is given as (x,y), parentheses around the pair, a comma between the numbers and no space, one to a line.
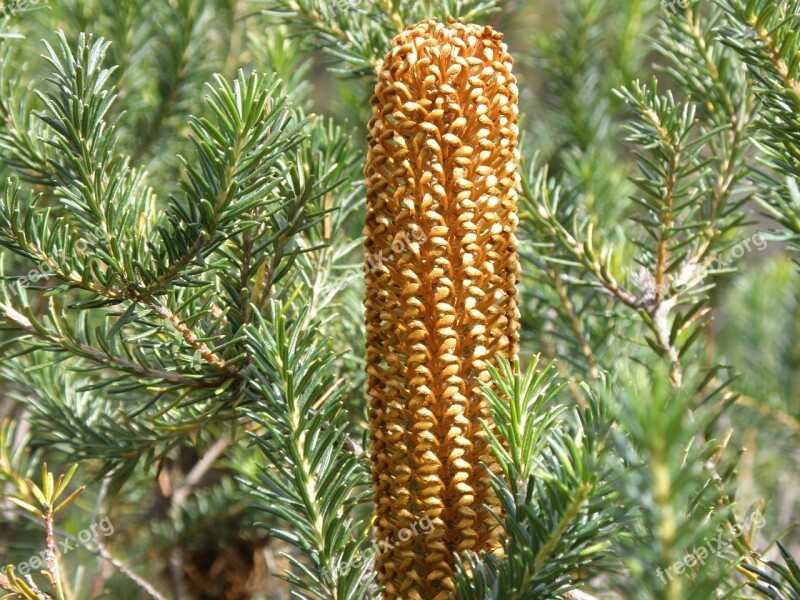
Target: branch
(51,559)
(98,550)
(607,281)
(207,353)
(666,210)
(575,323)
(129,292)
(320,23)
(101,358)
(199,470)
(103,553)
(774,55)
(555,536)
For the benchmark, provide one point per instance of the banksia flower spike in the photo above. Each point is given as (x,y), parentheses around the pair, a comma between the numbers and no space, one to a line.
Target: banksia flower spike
(441,300)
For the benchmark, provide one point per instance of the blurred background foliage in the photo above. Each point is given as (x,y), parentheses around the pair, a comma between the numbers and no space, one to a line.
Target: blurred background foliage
(177,464)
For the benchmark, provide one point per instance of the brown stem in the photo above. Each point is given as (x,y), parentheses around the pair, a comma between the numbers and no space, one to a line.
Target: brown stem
(5,584)
(191,338)
(146,298)
(775,58)
(98,550)
(99,357)
(199,470)
(575,324)
(600,273)
(662,251)
(53,568)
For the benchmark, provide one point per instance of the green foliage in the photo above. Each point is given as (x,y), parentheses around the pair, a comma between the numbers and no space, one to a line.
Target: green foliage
(767,38)
(670,476)
(355,35)
(50,500)
(315,475)
(778,581)
(181,201)
(554,494)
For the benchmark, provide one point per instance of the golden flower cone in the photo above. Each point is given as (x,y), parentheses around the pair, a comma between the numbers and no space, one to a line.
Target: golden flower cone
(441,294)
